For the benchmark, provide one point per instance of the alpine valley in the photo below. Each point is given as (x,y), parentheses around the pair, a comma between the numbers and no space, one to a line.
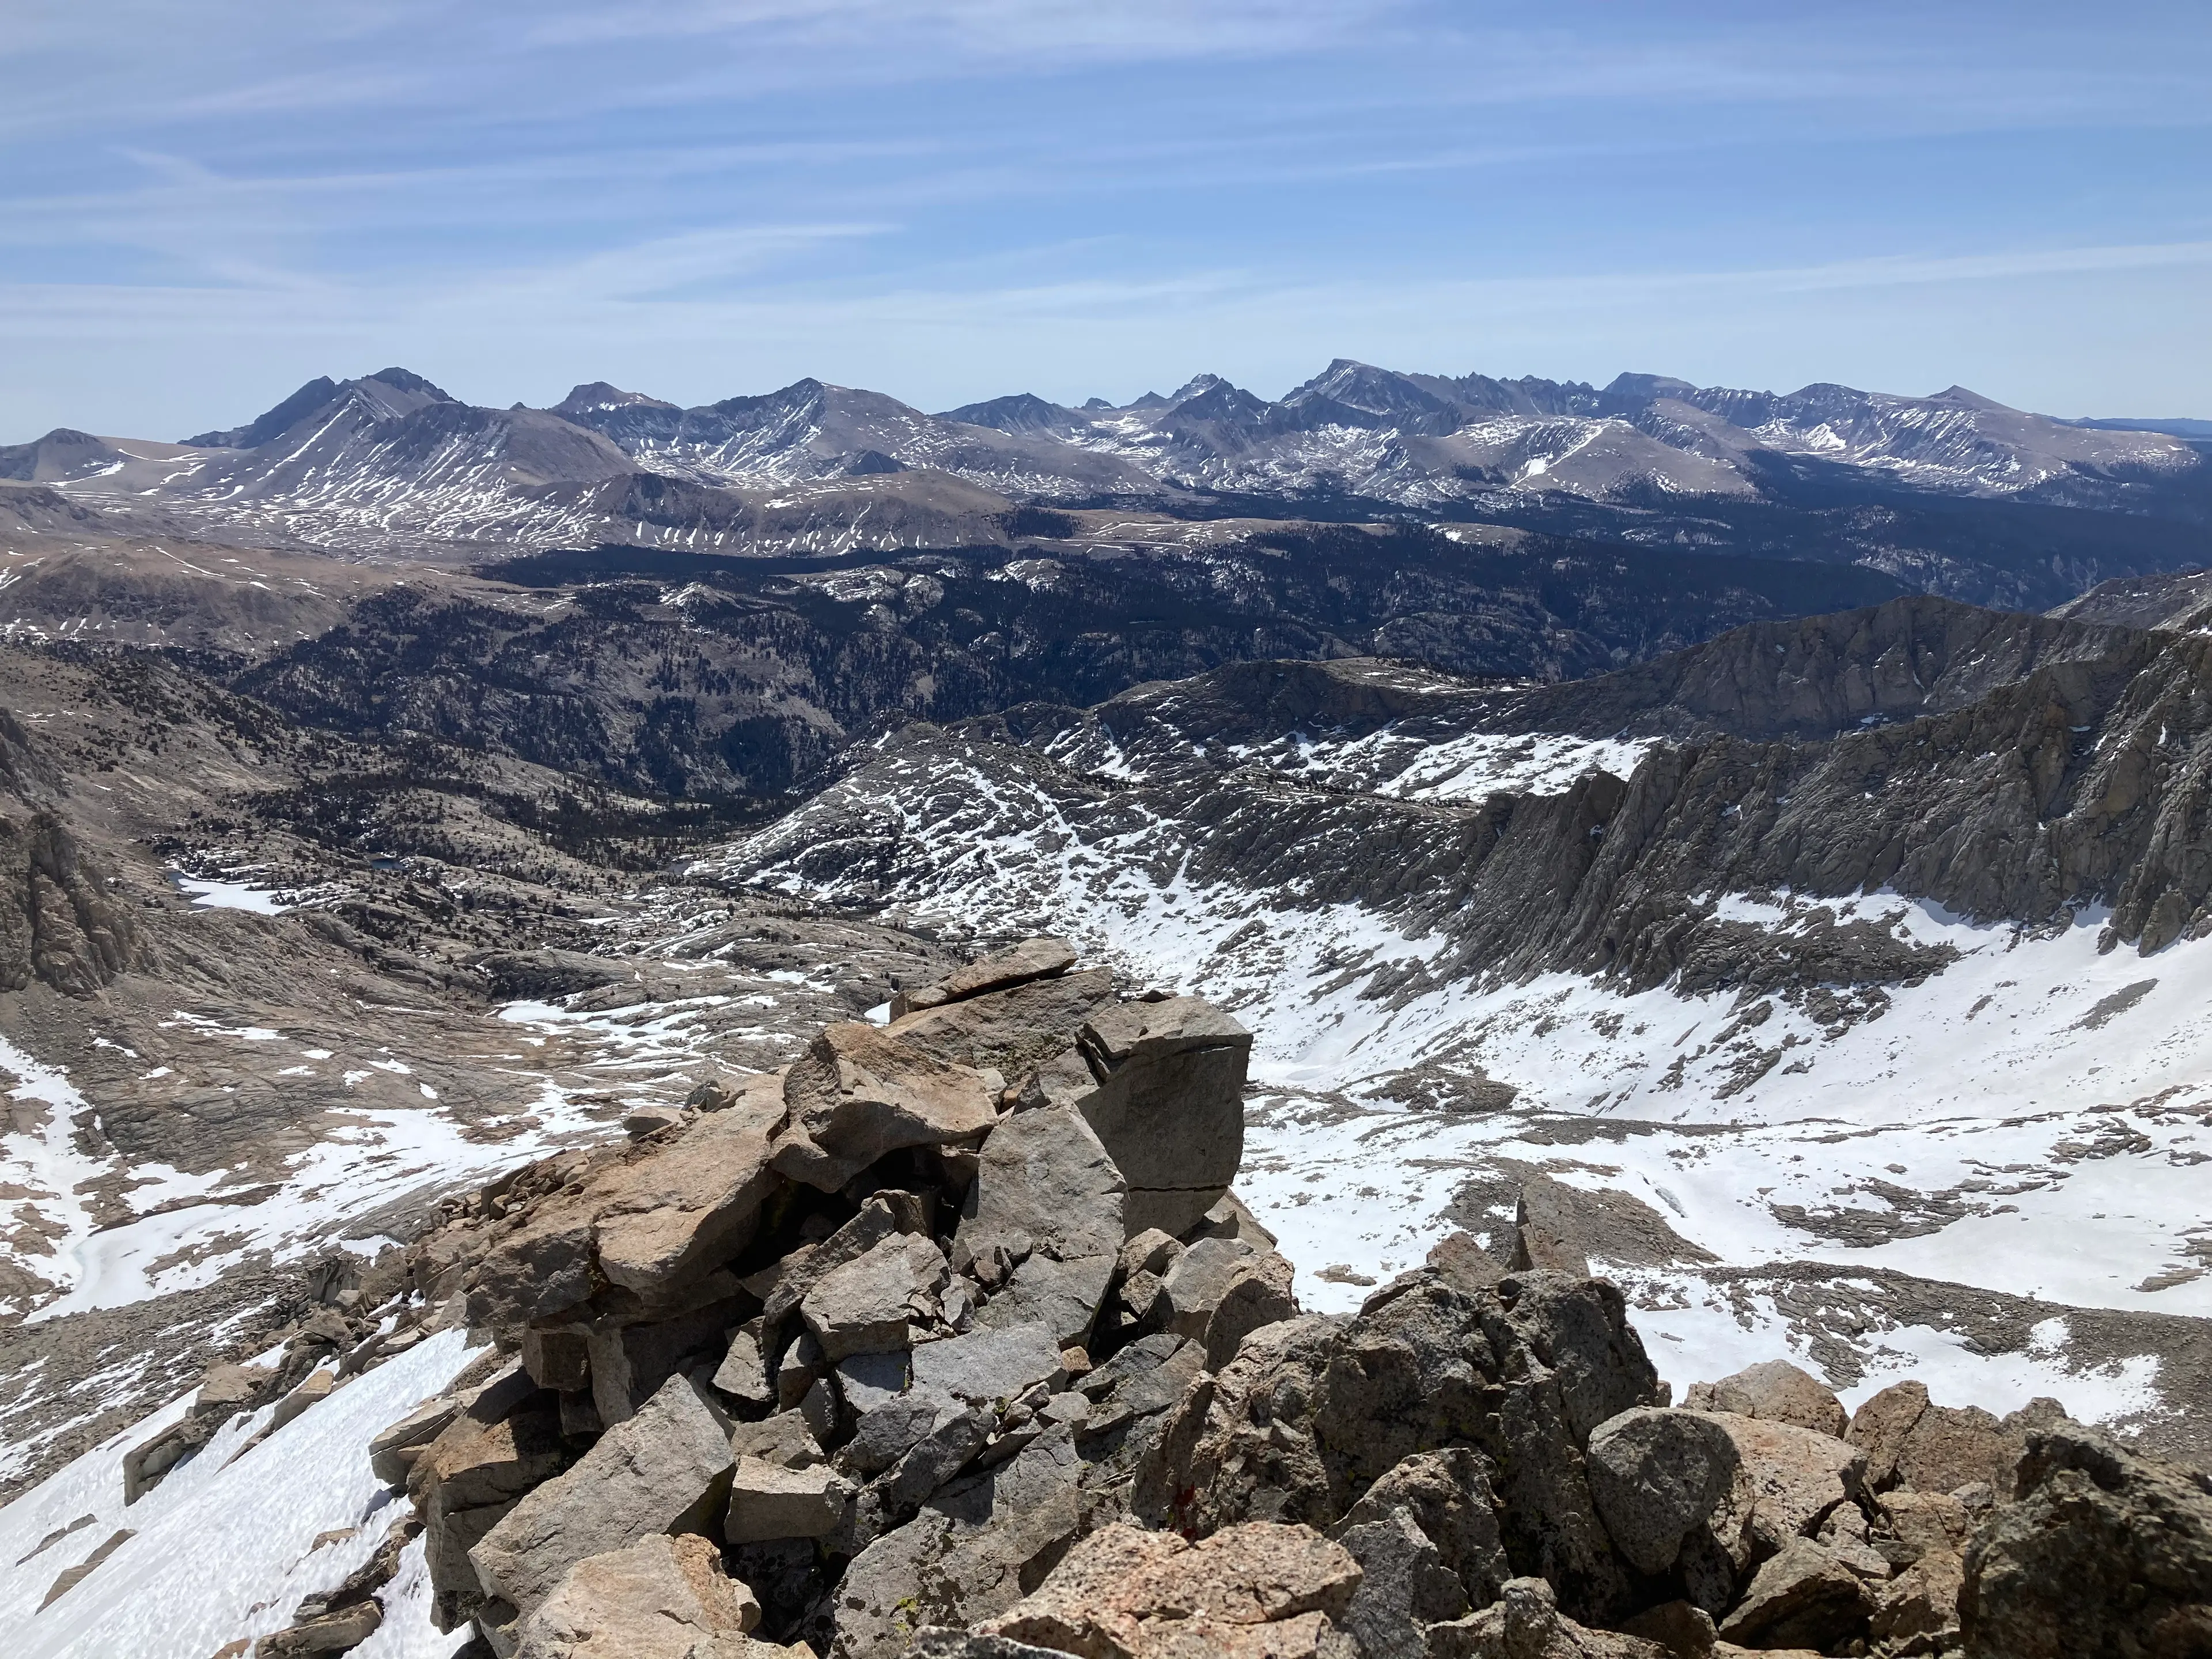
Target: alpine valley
(1751,849)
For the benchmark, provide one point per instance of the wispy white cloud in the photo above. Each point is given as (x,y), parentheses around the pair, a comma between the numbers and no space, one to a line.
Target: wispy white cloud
(639,295)
(997,29)
(950,193)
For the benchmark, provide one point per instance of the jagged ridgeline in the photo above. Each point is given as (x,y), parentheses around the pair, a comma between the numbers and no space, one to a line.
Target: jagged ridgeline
(951,1338)
(1953,492)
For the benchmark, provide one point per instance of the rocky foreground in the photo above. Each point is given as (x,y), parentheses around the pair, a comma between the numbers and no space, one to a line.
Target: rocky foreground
(952,1339)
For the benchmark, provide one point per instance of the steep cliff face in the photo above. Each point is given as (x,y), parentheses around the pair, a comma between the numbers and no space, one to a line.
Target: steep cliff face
(2178,599)
(2005,768)
(1816,677)
(61,924)
(58,922)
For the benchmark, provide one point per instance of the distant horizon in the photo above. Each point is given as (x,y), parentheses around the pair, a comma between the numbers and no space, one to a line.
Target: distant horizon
(206,205)
(1164,389)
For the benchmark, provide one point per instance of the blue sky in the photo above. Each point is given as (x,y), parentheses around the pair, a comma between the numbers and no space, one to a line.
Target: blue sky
(202,206)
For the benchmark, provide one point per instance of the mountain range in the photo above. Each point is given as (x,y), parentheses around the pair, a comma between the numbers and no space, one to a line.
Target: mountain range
(388,465)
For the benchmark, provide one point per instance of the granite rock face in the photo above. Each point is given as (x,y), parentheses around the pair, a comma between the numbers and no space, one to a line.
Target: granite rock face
(1311,1412)
(652,1600)
(1044,1216)
(1777,1391)
(2101,1552)
(868,1305)
(859,1093)
(667,1469)
(1802,1597)
(1168,1105)
(1656,1474)
(1032,959)
(1130,1593)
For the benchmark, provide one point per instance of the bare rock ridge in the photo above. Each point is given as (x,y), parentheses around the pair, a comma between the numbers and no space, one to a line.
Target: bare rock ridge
(965,1401)
(2010,769)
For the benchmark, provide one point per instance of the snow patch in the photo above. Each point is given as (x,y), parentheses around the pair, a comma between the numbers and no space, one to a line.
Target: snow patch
(224,1547)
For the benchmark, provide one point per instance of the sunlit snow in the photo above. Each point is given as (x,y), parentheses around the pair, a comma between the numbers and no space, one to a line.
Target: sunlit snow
(225,1547)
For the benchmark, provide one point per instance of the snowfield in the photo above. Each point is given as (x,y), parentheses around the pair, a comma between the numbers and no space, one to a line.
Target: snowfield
(228,1544)
(188,1229)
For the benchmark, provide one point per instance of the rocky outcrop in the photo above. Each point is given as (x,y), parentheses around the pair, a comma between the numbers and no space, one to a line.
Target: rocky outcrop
(830,1317)
(859,1093)
(1910,1442)
(1656,1474)
(2003,767)
(1221,1290)
(1033,959)
(1777,1391)
(503,1442)
(1044,1218)
(1165,1072)
(1525,1622)
(1311,1412)
(959,1404)
(666,1470)
(337,1620)
(61,924)
(2101,1552)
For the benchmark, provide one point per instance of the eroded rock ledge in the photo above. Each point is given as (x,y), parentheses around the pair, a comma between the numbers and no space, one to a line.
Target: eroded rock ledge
(952,1340)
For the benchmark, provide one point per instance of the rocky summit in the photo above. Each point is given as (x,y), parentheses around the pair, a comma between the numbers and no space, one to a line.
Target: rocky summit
(952,1339)
(1433,1016)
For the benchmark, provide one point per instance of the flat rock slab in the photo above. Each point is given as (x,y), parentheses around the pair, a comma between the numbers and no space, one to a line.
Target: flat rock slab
(784,1438)
(769,1501)
(865,1381)
(782,1286)
(1014,1031)
(989,1365)
(743,1374)
(664,1470)
(858,1093)
(888,1431)
(231,1389)
(1032,959)
(1544,1231)
(865,1307)
(641,1219)
(1146,1030)
(695,1200)
(652,1600)
(1173,1122)
(395,1450)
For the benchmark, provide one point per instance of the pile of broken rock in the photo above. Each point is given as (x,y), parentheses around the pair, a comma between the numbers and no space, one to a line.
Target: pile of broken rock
(952,1340)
